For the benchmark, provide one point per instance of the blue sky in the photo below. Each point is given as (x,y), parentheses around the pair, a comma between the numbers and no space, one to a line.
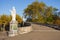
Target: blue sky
(20,5)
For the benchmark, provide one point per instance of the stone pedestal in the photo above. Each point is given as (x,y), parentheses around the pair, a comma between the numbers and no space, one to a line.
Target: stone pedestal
(13,28)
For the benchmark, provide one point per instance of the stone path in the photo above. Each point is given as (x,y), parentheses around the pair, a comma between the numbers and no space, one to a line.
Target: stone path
(39,33)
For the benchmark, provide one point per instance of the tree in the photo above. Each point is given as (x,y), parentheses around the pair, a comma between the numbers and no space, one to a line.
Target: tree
(59,13)
(49,15)
(4,19)
(35,11)
(9,18)
(0,24)
(18,18)
(57,21)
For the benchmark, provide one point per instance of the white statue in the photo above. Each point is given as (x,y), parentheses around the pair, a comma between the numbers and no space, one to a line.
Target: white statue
(13,23)
(13,13)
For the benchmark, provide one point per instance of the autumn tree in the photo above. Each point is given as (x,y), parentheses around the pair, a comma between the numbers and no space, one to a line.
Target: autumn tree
(40,12)
(57,21)
(4,19)
(49,15)
(18,18)
(0,23)
(35,11)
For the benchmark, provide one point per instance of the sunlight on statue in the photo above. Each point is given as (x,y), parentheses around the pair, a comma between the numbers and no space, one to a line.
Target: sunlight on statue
(13,23)
(13,13)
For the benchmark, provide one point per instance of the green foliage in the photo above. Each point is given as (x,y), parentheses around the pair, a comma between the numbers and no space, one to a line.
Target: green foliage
(18,18)
(4,19)
(34,10)
(40,12)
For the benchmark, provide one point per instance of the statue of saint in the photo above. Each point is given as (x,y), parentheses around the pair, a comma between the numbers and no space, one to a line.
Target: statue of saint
(13,23)
(13,13)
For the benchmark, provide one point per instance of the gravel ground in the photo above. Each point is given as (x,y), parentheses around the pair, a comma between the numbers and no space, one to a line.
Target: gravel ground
(39,33)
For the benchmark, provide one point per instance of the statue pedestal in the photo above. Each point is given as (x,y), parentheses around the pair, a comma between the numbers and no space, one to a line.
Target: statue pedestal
(13,28)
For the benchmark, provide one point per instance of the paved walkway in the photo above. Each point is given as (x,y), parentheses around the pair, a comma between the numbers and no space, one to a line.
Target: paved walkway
(39,33)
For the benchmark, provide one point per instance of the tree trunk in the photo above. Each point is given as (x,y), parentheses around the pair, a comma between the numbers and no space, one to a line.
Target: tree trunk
(4,27)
